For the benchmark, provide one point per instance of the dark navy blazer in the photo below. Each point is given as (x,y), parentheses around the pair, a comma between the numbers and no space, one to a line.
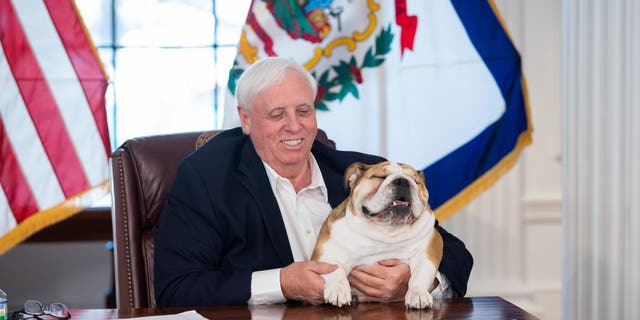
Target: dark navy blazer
(222,222)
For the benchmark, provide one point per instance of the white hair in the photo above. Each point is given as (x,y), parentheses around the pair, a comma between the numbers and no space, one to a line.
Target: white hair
(265,73)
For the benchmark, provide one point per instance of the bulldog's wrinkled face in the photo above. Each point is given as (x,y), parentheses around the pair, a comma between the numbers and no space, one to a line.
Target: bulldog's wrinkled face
(387,193)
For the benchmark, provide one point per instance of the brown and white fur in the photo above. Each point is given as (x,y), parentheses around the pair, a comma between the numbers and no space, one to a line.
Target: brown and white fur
(385,216)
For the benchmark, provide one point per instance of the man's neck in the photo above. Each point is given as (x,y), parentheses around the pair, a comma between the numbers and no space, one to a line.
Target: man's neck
(299,176)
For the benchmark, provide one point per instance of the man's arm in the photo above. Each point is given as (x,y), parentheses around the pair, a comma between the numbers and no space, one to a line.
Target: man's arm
(300,281)
(456,262)
(190,242)
(388,281)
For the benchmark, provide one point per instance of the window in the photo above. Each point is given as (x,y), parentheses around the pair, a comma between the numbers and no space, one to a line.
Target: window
(167,60)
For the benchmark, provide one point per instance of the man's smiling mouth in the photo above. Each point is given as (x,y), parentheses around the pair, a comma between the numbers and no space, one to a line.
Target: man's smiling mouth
(293,142)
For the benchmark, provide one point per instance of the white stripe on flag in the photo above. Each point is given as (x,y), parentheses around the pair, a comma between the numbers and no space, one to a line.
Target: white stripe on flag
(357,124)
(7,221)
(447,96)
(26,143)
(65,87)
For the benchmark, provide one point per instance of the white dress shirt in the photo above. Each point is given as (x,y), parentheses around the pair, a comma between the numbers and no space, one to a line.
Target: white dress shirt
(303,214)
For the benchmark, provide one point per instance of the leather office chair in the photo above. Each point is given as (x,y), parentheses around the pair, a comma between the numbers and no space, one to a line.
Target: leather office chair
(142,173)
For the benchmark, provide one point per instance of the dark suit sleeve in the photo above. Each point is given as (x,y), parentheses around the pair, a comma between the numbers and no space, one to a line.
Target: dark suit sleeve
(456,262)
(189,247)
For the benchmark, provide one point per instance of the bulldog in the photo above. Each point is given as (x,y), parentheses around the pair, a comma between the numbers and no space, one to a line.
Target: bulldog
(386,215)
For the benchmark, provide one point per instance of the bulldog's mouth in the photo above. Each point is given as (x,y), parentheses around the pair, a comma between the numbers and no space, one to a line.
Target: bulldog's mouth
(397,211)
(401,203)
(397,207)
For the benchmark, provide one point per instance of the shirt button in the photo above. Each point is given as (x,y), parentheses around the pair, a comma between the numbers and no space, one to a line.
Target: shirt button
(308,231)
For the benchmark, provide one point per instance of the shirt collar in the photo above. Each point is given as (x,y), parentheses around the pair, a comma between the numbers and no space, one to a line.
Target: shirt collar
(316,177)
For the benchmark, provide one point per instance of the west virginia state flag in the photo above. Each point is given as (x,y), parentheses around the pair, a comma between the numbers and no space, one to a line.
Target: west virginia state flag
(54,141)
(433,83)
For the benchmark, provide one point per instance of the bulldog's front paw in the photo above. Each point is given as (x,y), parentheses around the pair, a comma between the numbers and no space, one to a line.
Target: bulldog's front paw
(417,299)
(338,293)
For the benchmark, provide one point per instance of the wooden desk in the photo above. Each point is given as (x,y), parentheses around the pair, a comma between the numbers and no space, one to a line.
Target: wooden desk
(465,308)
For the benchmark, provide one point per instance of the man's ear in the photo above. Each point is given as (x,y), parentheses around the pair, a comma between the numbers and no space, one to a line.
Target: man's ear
(353,173)
(245,120)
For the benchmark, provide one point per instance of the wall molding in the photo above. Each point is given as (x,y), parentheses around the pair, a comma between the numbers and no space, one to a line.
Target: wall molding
(542,209)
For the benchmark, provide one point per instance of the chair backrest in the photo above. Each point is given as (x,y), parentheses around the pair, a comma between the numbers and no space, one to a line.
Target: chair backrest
(142,173)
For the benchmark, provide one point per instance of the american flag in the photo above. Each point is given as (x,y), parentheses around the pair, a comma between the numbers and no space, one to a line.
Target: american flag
(54,141)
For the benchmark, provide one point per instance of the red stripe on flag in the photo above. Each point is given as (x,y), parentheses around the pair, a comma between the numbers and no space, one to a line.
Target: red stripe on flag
(15,186)
(85,63)
(263,35)
(40,103)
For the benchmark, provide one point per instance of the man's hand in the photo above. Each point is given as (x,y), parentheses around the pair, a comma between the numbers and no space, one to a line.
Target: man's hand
(302,281)
(383,282)
(386,281)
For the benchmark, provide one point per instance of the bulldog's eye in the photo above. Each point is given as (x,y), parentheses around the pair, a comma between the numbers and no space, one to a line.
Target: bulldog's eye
(365,210)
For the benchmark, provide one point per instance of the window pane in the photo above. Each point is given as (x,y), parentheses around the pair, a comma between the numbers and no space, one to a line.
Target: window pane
(96,15)
(231,16)
(163,91)
(168,75)
(164,22)
(106,56)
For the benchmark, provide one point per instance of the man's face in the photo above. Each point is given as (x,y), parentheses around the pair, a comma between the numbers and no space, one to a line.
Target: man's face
(282,123)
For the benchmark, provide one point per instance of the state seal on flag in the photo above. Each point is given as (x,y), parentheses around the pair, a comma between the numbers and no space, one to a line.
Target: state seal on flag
(334,40)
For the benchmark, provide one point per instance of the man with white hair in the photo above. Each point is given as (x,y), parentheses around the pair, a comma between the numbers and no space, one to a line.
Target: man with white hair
(245,210)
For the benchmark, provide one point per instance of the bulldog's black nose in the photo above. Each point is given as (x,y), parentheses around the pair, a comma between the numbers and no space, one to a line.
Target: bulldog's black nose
(401,182)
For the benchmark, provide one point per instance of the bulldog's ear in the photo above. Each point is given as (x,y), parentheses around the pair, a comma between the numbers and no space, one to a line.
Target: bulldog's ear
(353,172)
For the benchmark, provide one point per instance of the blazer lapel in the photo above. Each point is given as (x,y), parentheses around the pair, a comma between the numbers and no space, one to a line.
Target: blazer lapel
(335,185)
(254,178)
(333,179)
